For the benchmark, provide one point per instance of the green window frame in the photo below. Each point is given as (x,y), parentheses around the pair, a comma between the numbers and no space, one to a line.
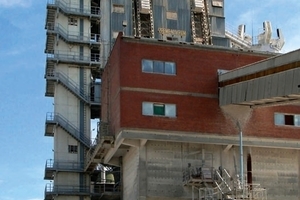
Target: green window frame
(159,109)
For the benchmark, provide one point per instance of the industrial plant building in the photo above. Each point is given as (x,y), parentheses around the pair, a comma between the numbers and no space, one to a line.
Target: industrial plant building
(185,108)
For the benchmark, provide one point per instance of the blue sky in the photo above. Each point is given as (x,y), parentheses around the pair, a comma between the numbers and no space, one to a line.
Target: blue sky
(23,147)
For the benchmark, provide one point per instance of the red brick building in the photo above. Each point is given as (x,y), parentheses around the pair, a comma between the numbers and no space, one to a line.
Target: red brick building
(160,100)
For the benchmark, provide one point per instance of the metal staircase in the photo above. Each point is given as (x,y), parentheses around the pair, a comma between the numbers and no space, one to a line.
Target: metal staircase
(102,143)
(222,182)
(69,84)
(55,119)
(67,9)
(50,83)
(211,184)
(52,166)
(69,37)
(74,190)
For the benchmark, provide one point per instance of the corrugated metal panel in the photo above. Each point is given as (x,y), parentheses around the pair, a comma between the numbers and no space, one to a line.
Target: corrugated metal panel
(254,87)
(172,24)
(118,17)
(184,22)
(120,2)
(159,16)
(117,20)
(288,84)
(128,18)
(268,86)
(281,83)
(160,3)
(219,41)
(261,89)
(172,5)
(216,11)
(274,85)
(218,26)
(296,81)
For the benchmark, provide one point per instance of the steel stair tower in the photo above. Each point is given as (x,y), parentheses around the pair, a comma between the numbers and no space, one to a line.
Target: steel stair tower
(143,20)
(72,66)
(200,22)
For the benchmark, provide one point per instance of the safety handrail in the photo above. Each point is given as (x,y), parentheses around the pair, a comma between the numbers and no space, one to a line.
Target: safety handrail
(57,189)
(69,127)
(74,36)
(60,165)
(103,130)
(72,85)
(74,57)
(71,10)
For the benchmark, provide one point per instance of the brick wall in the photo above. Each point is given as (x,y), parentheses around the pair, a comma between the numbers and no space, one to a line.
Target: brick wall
(193,89)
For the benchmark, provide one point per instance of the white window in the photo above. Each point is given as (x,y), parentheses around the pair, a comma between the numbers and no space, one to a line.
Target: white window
(158,109)
(286,119)
(159,67)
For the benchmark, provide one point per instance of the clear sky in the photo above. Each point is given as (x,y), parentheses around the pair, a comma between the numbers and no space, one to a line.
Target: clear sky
(23,146)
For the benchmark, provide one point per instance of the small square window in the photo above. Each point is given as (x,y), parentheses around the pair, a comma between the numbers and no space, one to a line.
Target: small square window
(147,65)
(147,108)
(72,149)
(72,21)
(170,110)
(289,120)
(279,119)
(159,109)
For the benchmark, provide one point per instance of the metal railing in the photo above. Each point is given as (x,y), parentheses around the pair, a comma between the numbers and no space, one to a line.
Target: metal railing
(71,9)
(71,57)
(69,127)
(69,84)
(63,166)
(102,131)
(73,36)
(66,189)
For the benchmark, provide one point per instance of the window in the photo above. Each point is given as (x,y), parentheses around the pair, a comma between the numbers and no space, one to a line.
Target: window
(72,21)
(160,67)
(158,109)
(217,3)
(286,119)
(72,149)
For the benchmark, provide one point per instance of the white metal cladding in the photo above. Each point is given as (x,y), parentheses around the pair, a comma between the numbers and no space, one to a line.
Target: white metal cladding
(145,4)
(279,87)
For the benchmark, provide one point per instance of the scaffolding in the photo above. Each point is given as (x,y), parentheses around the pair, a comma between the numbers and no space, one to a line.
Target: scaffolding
(208,183)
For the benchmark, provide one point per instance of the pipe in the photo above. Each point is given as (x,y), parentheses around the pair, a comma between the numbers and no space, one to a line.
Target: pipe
(242,156)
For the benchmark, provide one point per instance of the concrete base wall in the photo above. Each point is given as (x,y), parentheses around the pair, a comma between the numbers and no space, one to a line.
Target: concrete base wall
(155,171)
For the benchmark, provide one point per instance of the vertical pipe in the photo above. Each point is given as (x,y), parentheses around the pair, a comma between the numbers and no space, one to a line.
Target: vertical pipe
(242,159)
(241,154)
